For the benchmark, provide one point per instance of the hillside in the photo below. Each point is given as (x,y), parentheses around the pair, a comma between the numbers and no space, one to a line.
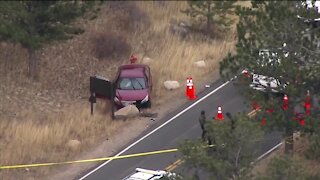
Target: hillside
(38,118)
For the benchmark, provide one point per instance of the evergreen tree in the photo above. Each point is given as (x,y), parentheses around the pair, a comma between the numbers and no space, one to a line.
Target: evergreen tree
(272,24)
(34,23)
(232,154)
(212,13)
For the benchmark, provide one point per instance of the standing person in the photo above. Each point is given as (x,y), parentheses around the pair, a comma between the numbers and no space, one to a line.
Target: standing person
(202,121)
(133,59)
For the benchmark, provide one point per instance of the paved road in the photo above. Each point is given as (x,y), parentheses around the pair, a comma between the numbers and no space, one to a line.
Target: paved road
(185,126)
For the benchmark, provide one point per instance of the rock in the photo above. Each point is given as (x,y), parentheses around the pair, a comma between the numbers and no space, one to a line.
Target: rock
(128,111)
(181,30)
(171,85)
(73,144)
(184,24)
(200,64)
(147,60)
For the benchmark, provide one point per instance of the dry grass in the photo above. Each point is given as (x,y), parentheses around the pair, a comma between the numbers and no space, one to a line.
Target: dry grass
(35,127)
(311,167)
(34,141)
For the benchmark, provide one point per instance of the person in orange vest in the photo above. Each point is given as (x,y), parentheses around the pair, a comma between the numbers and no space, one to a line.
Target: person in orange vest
(307,104)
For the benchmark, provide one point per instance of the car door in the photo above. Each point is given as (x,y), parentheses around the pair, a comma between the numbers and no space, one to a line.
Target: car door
(101,87)
(149,77)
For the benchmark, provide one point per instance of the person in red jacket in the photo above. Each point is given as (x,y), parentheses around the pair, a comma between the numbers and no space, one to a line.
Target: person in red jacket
(133,59)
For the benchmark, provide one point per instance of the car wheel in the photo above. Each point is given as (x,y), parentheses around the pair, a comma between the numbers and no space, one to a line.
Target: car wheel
(148,104)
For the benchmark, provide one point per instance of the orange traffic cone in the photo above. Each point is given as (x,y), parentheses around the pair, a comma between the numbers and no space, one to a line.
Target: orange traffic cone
(188,87)
(192,95)
(255,106)
(263,121)
(190,91)
(219,115)
(285,102)
(307,104)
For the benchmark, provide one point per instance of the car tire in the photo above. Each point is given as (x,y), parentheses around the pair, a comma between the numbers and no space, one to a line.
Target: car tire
(148,104)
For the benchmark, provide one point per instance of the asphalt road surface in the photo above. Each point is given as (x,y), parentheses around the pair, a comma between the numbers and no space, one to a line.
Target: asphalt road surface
(185,126)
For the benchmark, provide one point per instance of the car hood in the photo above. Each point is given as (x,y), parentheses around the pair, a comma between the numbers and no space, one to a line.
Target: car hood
(131,95)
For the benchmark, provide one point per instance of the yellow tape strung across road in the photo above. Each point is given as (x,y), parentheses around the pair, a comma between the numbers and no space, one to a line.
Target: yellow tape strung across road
(93,160)
(252,113)
(90,160)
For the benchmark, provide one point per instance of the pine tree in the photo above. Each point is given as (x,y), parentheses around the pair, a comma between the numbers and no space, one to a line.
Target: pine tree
(34,23)
(212,13)
(270,24)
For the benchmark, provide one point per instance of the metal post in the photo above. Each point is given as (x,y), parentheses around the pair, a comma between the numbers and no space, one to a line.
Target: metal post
(92,100)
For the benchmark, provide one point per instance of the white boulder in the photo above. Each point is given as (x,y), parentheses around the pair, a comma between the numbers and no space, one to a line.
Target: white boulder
(171,85)
(200,64)
(128,111)
(73,144)
(147,60)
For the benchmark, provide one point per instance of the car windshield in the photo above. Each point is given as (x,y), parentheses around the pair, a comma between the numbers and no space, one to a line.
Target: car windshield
(132,83)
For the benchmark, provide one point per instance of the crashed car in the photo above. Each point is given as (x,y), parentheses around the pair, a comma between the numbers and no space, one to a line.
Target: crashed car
(145,174)
(272,57)
(262,83)
(315,6)
(133,85)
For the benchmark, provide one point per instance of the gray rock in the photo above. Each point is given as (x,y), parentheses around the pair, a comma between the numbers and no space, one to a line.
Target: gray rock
(181,30)
(73,144)
(200,64)
(171,85)
(128,111)
(147,60)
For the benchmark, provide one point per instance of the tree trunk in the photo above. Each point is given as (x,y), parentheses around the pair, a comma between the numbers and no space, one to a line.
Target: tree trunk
(209,23)
(288,148)
(33,74)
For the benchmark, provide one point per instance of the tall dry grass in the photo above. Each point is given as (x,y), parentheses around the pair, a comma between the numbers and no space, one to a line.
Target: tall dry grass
(42,137)
(173,57)
(46,140)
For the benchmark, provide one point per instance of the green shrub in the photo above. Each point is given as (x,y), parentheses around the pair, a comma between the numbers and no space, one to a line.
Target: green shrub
(313,151)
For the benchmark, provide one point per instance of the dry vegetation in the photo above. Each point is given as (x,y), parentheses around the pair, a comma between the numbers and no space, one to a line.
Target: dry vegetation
(38,118)
(312,167)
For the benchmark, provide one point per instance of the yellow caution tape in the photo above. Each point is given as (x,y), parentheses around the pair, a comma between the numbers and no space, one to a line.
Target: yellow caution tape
(100,159)
(93,160)
(90,160)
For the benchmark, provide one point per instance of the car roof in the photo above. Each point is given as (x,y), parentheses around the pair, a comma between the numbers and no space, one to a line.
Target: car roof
(132,70)
(132,73)
(145,174)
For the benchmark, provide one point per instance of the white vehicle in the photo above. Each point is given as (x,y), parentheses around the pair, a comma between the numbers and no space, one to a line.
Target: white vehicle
(271,56)
(145,174)
(311,5)
(261,82)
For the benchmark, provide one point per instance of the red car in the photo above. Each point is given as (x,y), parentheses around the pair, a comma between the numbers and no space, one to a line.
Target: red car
(133,85)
